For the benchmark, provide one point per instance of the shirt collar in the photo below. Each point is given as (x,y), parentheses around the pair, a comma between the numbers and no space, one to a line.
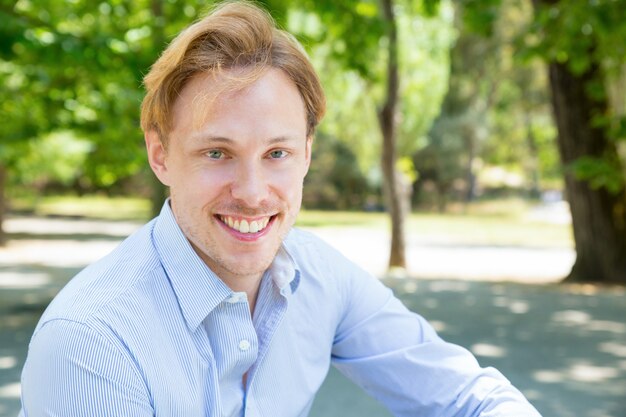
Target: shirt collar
(285,272)
(198,289)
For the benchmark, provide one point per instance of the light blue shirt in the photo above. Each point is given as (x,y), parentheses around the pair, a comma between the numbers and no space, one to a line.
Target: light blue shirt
(149,330)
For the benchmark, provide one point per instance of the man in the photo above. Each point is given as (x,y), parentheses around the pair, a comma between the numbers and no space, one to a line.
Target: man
(217,307)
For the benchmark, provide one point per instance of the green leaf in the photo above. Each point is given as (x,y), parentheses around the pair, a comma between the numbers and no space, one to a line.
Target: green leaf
(599,173)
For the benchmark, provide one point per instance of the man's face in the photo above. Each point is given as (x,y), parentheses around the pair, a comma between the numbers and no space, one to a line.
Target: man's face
(236,176)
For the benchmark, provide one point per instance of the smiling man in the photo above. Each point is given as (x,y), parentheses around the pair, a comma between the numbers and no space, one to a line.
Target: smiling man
(218,307)
(235,167)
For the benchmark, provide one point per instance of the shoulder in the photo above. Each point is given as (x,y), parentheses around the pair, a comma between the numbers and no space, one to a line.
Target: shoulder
(103,283)
(326,274)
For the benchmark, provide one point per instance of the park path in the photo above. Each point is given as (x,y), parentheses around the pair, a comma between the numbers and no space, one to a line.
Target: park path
(564,346)
(70,243)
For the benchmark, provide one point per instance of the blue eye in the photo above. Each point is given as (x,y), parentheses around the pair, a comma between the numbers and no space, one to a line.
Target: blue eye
(215,154)
(278,154)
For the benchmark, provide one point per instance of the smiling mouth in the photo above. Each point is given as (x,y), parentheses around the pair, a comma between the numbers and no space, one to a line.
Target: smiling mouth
(244,225)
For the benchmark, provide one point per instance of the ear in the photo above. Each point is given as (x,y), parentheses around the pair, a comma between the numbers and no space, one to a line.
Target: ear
(157,156)
(309,145)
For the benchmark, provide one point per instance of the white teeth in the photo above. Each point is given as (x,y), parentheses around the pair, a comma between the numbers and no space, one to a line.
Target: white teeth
(243,226)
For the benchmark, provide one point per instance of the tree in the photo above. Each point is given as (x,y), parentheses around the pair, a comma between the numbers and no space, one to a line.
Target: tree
(15,106)
(522,135)
(87,64)
(70,66)
(365,38)
(583,44)
(492,112)
(335,180)
(396,189)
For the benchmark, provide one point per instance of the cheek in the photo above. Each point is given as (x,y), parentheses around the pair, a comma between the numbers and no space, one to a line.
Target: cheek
(288,183)
(203,180)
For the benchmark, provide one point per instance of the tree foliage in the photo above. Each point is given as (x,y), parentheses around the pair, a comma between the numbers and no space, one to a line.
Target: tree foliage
(589,126)
(496,112)
(376,46)
(71,75)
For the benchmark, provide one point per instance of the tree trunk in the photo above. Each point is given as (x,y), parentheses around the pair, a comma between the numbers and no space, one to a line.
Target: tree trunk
(442,198)
(3,203)
(469,134)
(598,217)
(396,195)
(532,166)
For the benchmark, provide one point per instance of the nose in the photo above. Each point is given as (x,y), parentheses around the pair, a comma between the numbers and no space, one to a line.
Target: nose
(250,185)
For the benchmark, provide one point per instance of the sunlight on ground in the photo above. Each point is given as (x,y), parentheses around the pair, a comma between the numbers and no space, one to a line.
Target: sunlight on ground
(571,317)
(578,372)
(548,376)
(7,362)
(23,280)
(439,326)
(585,372)
(515,306)
(11,390)
(488,350)
(584,321)
(63,253)
(613,348)
(439,286)
(410,287)
(43,226)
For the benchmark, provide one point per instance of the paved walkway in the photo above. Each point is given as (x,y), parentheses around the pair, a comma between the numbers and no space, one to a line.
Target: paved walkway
(564,346)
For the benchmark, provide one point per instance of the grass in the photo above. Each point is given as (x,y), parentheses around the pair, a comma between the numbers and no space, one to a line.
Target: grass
(490,231)
(499,223)
(322,218)
(489,223)
(98,207)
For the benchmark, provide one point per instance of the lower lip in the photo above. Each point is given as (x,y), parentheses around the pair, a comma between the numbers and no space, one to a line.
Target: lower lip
(248,237)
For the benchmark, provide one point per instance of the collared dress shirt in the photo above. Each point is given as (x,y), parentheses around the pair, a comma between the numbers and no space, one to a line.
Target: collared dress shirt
(150,330)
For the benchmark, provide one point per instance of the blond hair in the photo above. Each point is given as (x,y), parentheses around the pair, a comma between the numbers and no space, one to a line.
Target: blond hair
(235,35)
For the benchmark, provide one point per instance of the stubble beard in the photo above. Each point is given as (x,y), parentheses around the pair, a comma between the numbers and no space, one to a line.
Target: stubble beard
(209,249)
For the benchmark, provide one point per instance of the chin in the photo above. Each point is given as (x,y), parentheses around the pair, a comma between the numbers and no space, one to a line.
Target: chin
(254,269)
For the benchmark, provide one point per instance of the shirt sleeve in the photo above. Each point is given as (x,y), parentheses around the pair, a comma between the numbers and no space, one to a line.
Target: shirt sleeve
(73,370)
(397,358)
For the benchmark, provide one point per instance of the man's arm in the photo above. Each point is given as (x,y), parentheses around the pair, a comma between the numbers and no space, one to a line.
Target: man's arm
(73,370)
(397,357)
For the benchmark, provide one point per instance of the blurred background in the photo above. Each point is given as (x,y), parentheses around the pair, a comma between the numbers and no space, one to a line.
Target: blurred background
(472,156)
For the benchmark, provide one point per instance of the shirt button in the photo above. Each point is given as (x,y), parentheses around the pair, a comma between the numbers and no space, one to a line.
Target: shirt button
(244,345)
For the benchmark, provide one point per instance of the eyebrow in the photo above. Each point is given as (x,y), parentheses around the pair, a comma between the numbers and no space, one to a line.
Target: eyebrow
(225,140)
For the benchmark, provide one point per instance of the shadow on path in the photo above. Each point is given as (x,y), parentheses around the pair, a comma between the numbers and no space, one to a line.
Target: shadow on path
(563,346)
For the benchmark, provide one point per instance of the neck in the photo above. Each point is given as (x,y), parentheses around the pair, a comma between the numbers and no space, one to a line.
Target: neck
(248,284)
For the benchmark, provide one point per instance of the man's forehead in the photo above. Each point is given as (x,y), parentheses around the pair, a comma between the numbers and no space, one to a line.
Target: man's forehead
(209,97)
(202,94)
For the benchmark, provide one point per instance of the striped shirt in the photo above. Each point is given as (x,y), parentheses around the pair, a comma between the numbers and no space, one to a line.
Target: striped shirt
(149,330)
